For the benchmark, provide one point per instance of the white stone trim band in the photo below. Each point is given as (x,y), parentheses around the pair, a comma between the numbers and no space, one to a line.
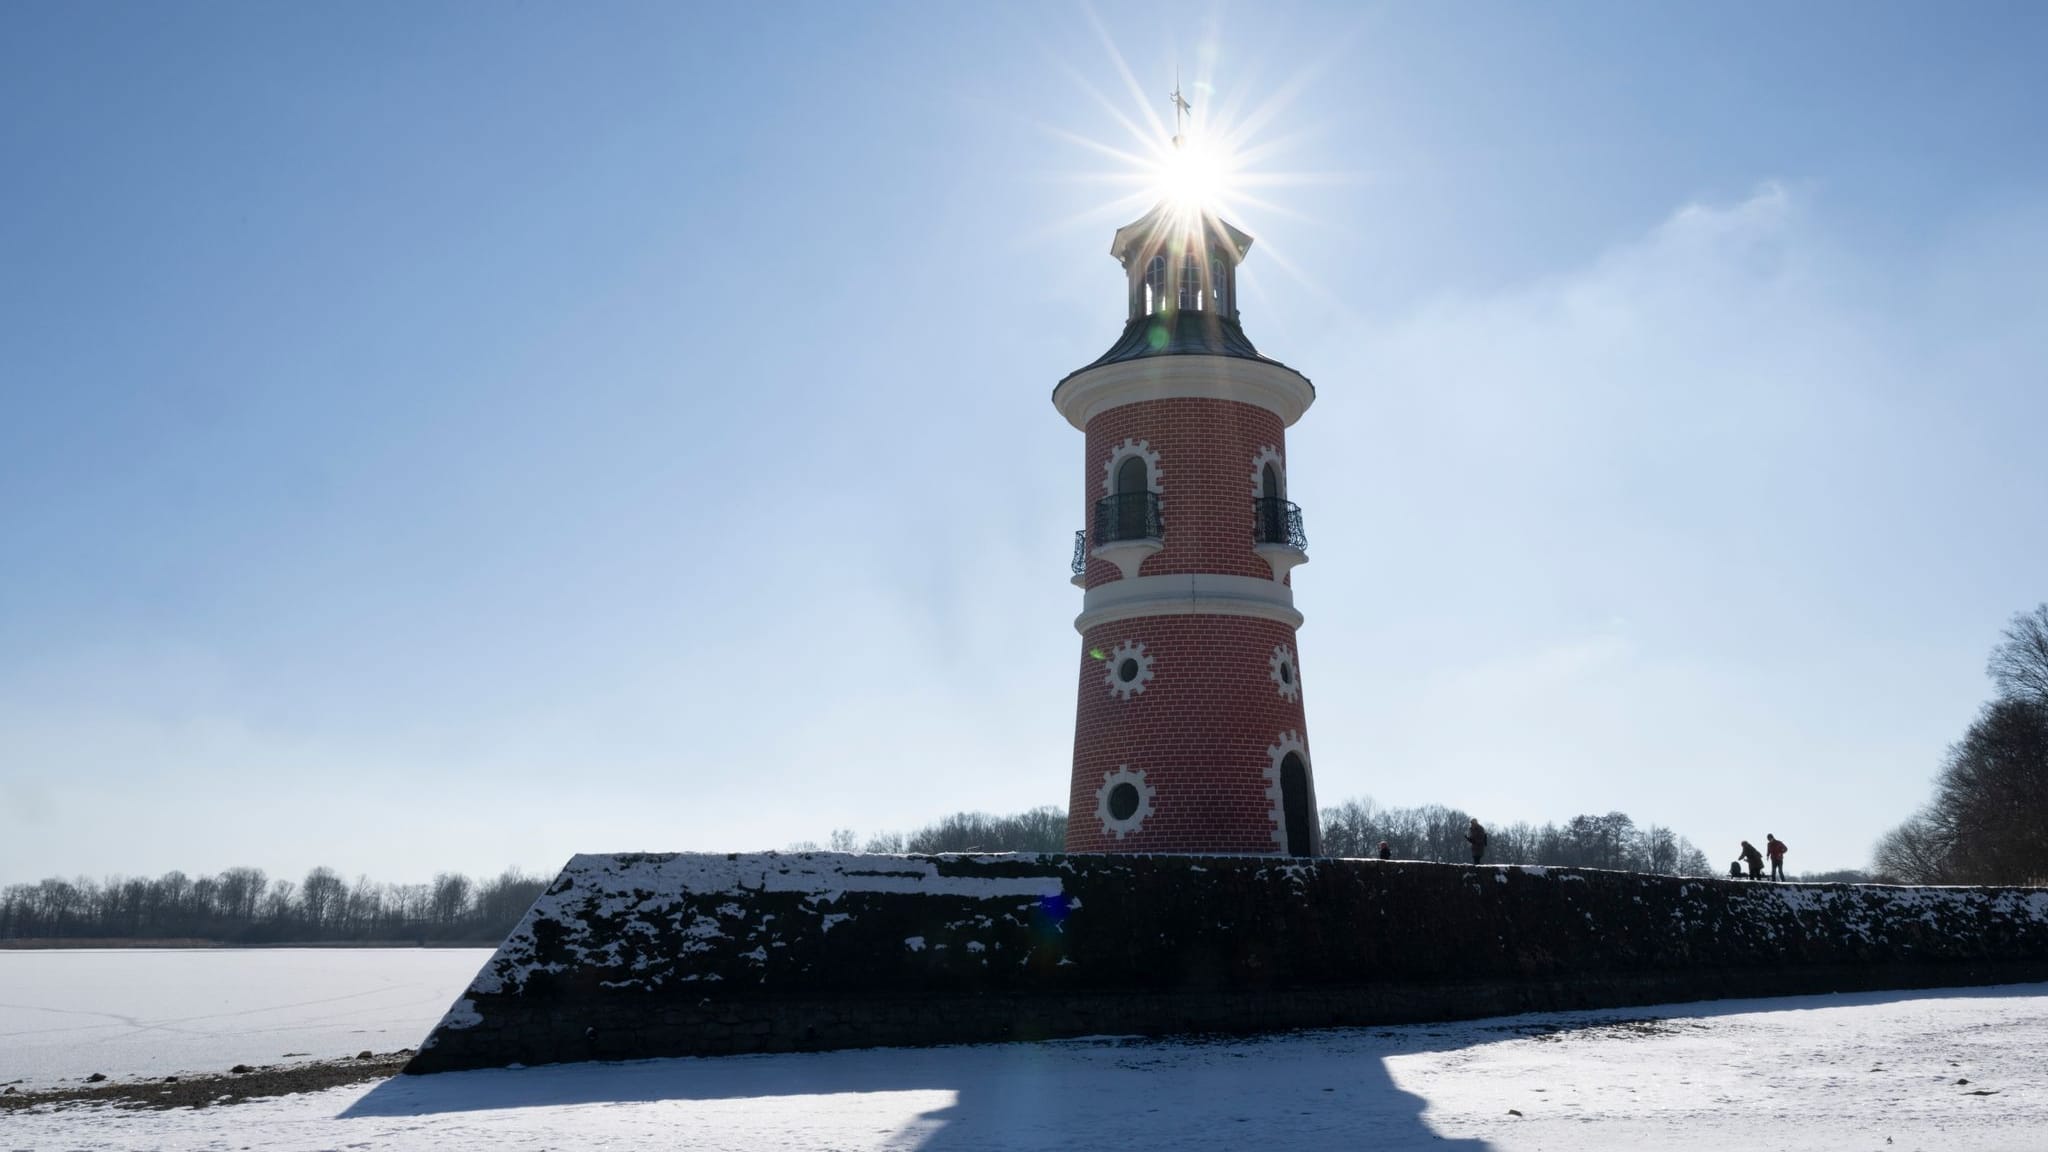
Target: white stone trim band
(1279,390)
(1188,594)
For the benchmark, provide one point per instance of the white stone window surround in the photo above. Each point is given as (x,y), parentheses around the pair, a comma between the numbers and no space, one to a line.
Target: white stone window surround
(1288,683)
(1268,455)
(1134,652)
(1129,824)
(1154,476)
(1129,555)
(1277,755)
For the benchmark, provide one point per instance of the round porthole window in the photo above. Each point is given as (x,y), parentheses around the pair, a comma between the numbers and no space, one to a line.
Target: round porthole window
(1123,801)
(1284,676)
(1130,669)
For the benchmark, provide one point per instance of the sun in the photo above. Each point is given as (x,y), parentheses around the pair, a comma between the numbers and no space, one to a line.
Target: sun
(1194,173)
(1191,148)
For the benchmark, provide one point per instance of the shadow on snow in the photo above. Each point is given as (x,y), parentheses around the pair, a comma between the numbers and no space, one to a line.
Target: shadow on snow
(1331,1086)
(1326,1087)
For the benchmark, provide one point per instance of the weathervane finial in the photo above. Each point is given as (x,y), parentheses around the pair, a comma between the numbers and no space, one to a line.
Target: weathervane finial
(1180,106)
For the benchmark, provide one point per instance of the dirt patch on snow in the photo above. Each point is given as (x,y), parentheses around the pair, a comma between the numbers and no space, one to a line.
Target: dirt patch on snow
(205,1089)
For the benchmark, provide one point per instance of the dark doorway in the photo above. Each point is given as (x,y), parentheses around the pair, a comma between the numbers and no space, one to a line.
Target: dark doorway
(1294,805)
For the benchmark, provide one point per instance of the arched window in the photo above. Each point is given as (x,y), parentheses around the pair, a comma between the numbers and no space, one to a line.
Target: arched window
(1133,499)
(1155,285)
(1269,511)
(1191,282)
(1219,297)
(1131,477)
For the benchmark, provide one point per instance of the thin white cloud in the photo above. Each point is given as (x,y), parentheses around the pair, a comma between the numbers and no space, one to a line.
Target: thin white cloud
(1737,433)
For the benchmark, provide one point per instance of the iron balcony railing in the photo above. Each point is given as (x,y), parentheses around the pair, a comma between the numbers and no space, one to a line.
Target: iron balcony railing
(1275,521)
(1128,516)
(1080,551)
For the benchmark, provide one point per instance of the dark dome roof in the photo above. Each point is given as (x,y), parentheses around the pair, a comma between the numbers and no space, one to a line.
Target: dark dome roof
(1179,333)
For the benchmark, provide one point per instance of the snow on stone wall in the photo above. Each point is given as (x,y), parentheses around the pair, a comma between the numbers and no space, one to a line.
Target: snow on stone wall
(643,955)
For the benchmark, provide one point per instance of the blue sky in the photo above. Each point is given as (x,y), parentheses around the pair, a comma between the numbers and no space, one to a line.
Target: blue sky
(455,436)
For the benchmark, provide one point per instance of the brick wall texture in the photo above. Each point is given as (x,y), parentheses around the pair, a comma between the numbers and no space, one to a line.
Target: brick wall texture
(1203,727)
(1206,451)
(1202,731)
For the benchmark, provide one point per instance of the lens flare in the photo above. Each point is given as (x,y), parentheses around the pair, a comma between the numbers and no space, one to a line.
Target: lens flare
(1194,174)
(1209,156)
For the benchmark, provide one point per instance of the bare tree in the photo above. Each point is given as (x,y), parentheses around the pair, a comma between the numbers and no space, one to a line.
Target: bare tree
(1986,824)
(321,898)
(451,896)
(237,907)
(1913,853)
(1660,850)
(502,901)
(2019,665)
(1038,830)
(241,891)
(278,903)
(1992,795)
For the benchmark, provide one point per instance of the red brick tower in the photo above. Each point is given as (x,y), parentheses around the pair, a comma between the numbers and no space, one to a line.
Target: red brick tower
(1190,734)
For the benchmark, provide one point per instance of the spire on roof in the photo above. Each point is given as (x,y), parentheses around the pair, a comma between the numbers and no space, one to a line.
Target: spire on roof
(1180,106)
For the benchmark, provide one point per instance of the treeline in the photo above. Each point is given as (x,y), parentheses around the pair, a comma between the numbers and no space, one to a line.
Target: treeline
(1434,832)
(1039,830)
(1988,820)
(244,906)
(1430,832)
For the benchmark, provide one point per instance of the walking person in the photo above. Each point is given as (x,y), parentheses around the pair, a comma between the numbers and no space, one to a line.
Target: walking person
(1754,859)
(1476,837)
(1776,848)
(1386,853)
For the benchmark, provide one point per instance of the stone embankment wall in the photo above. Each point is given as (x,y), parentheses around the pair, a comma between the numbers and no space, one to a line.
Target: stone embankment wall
(666,955)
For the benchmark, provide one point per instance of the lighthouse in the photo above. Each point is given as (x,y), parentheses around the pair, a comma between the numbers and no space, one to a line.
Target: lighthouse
(1190,732)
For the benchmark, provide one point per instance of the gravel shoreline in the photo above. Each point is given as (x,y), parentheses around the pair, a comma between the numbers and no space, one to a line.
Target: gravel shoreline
(205,1089)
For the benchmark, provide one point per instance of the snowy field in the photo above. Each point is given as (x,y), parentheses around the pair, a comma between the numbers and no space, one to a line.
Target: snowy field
(134,1012)
(1953,1071)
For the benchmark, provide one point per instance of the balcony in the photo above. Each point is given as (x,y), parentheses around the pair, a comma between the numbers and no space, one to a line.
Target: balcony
(1128,516)
(1277,535)
(1128,528)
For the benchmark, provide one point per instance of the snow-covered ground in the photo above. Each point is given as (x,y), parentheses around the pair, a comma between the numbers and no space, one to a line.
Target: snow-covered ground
(133,1012)
(1876,1071)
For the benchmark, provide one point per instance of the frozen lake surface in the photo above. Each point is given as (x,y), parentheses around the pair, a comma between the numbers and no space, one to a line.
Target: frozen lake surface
(66,1014)
(1937,1071)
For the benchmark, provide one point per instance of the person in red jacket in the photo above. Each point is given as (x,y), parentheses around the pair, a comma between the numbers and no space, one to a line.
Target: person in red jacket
(1776,848)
